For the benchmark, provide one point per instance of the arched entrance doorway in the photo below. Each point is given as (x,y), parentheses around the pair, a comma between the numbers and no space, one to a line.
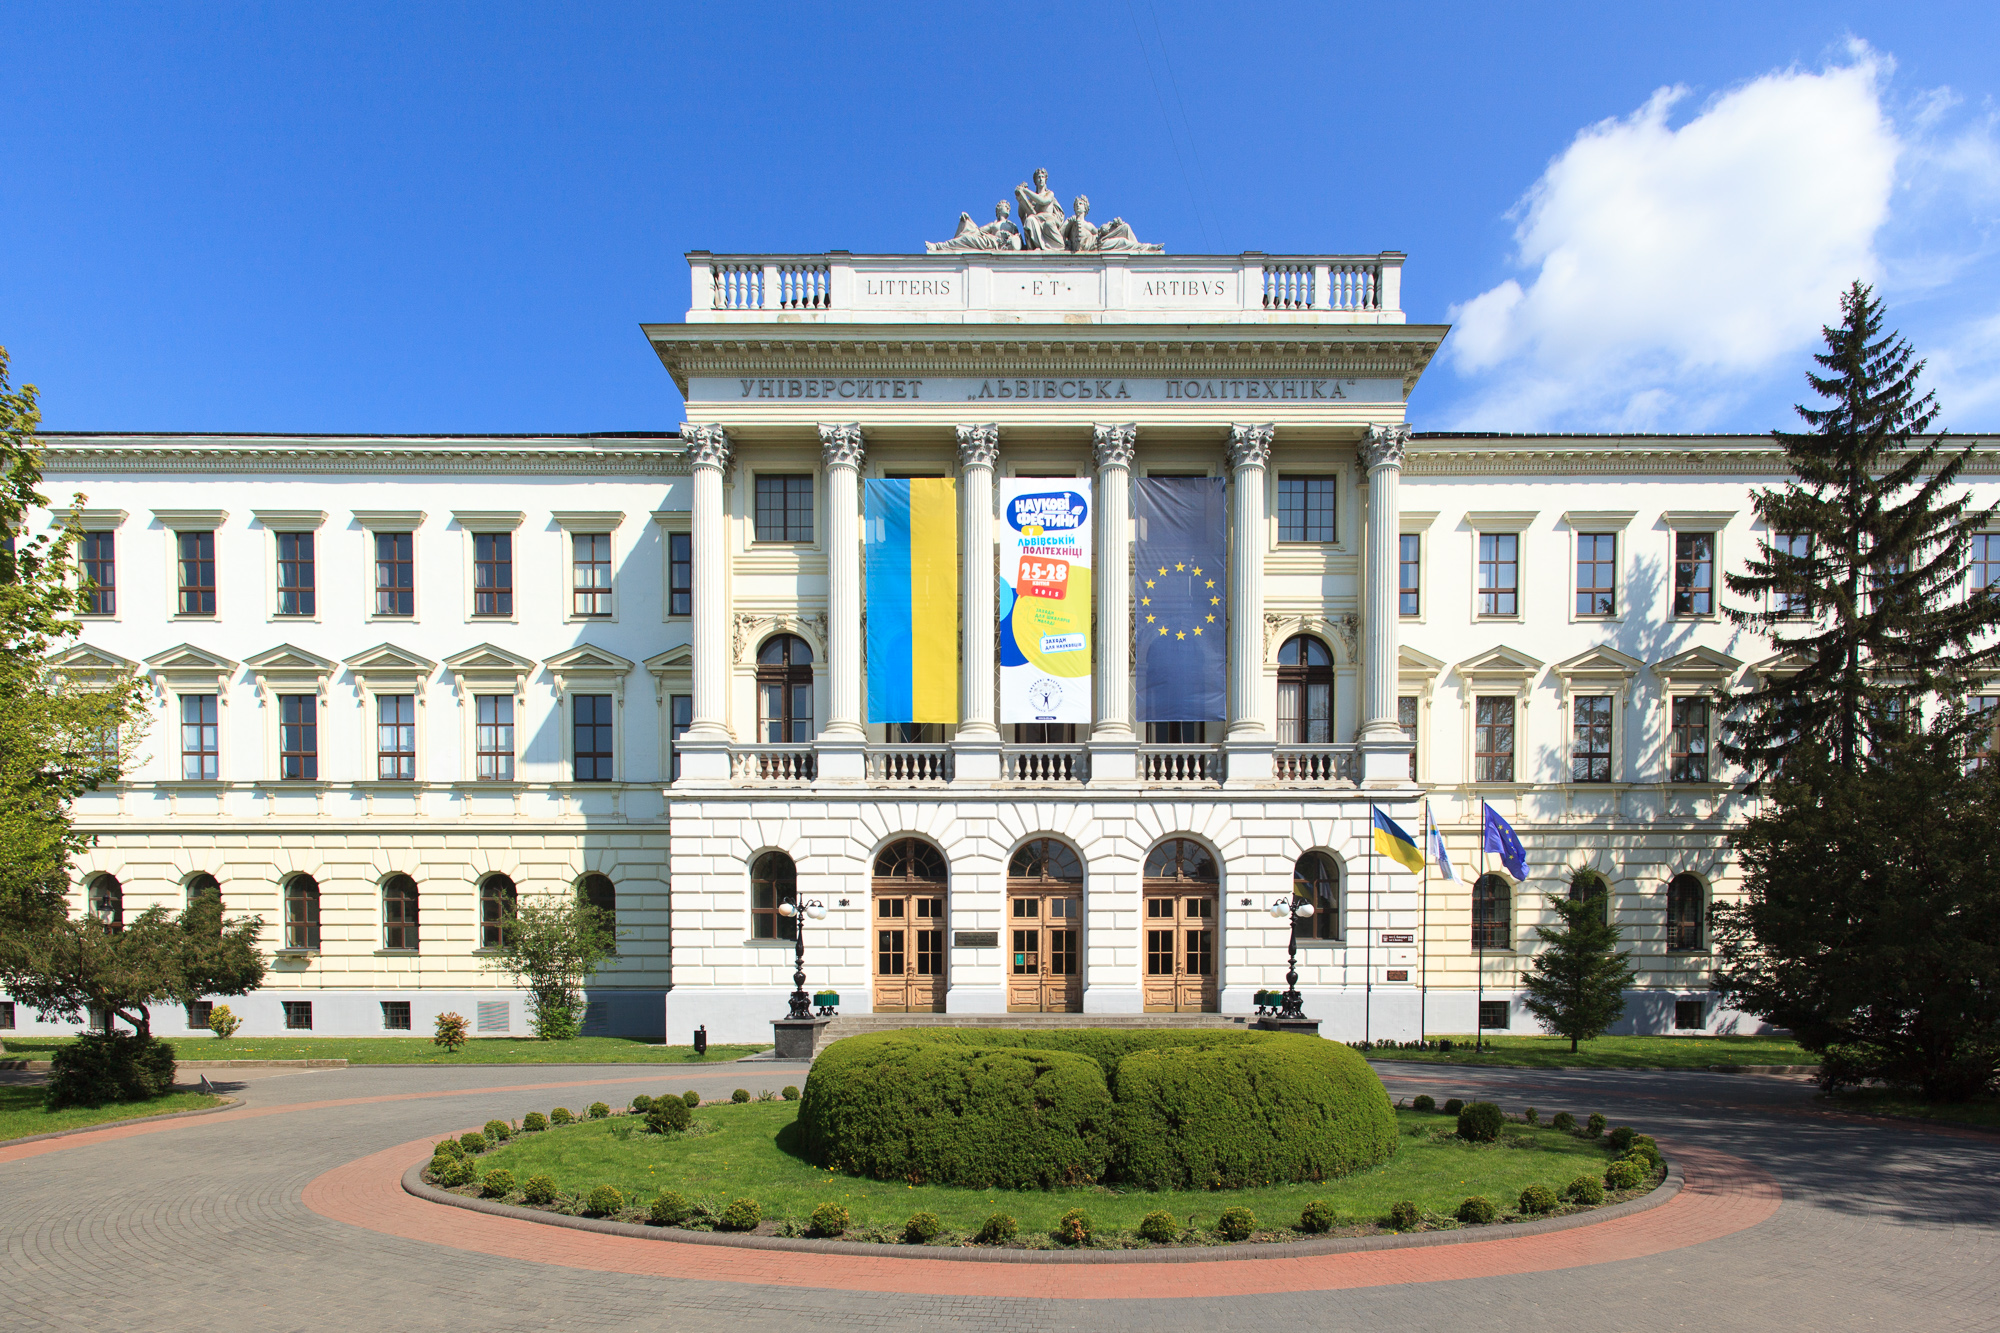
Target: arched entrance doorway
(1181,888)
(909,892)
(1045,922)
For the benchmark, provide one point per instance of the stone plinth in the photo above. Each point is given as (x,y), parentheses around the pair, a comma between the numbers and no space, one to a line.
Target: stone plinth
(798,1038)
(1305,1027)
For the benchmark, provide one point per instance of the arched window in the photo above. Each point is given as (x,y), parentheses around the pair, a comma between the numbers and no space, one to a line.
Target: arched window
(784,690)
(1588,884)
(107,901)
(1305,692)
(1685,913)
(399,912)
(599,892)
(203,888)
(1046,859)
(774,879)
(1316,879)
(302,912)
(1183,859)
(1492,913)
(497,898)
(911,859)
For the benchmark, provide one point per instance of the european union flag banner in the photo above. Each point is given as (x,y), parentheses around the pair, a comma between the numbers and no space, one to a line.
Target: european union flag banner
(1501,839)
(1180,612)
(910,538)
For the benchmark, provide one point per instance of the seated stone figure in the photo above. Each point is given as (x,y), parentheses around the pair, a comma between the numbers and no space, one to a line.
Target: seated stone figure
(1116,235)
(1041,214)
(999,234)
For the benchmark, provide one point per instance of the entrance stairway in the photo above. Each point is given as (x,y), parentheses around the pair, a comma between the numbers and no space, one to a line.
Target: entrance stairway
(849,1025)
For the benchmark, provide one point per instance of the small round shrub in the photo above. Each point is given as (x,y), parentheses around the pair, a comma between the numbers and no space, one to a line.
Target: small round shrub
(1649,1159)
(1073,1227)
(539,1191)
(1405,1216)
(668,1209)
(533,1122)
(471,1142)
(451,1172)
(669,1115)
(604,1201)
(452,1147)
(1453,1106)
(740,1215)
(1477,1211)
(497,1184)
(1624,1175)
(1537,1199)
(1236,1224)
(692,1098)
(1317,1217)
(1621,1138)
(1424,1102)
(997,1230)
(790,1093)
(1481,1122)
(740,1096)
(1594,1126)
(642,1103)
(1158,1227)
(827,1220)
(598,1110)
(1564,1121)
(1531,1116)
(1586,1190)
(497,1130)
(562,1115)
(922,1229)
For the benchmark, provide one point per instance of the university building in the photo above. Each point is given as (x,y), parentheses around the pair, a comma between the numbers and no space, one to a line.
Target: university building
(788,653)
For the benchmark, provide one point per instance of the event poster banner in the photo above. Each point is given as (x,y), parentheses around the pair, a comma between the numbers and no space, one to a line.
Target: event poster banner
(1180,613)
(1045,590)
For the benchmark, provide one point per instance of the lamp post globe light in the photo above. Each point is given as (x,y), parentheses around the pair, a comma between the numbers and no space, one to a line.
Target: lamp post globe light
(1298,909)
(799,912)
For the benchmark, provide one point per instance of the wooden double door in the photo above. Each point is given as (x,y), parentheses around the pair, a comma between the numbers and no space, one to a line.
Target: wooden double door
(1181,889)
(1045,958)
(909,929)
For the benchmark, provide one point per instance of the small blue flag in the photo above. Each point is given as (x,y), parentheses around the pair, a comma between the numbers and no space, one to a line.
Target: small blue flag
(1501,839)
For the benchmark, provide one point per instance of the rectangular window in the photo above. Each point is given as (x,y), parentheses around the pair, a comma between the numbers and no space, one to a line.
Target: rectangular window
(680,719)
(1798,605)
(1590,738)
(1986,709)
(298,1014)
(396,1015)
(1305,509)
(1494,1013)
(1596,573)
(195,567)
(1694,573)
(1688,1014)
(1687,759)
(100,568)
(298,737)
(396,737)
(680,573)
(1986,562)
(395,574)
(200,738)
(590,573)
(198,1014)
(1410,574)
(492,573)
(296,577)
(592,716)
(1499,573)
(495,737)
(7,1015)
(1493,738)
(785,507)
(1406,718)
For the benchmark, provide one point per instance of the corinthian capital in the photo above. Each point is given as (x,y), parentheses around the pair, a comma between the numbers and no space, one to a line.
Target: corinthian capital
(841,444)
(1250,446)
(707,446)
(1384,446)
(978,446)
(1113,446)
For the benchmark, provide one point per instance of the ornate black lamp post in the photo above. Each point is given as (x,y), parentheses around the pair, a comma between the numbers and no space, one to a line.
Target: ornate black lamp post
(801,1002)
(1298,910)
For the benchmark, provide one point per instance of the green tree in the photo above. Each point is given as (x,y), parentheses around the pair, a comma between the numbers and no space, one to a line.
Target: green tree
(552,946)
(1870,923)
(1861,581)
(1576,985)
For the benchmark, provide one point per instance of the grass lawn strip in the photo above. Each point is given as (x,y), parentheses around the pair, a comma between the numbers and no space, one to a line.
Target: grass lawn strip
(417,1050)
(1609,1052)
(21,1112)
(740,1151)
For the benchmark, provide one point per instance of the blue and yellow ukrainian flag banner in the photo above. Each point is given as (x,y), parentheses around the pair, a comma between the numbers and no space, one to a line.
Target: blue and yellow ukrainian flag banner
(909,535)
(1397,845)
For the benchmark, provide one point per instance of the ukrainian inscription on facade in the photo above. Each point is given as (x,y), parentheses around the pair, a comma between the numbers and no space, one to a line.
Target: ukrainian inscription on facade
(954,390)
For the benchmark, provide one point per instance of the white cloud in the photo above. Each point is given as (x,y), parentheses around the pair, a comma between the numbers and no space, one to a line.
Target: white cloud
(1666,268)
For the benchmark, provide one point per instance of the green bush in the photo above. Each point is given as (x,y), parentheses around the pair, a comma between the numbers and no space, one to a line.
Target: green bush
(497,1184)
(1564,1121)
(1073,1228)
(1531,1116)
(1538,1199)
(997,1230)
(1405,1216)
(473,1142)
(1158,1227)
(1453,1106)
(1424,1102)
(1477,1211)
(598,1110)
(533,1122)
(740,1096)
(451,1147)
(1647,1156)
(1624,1175)
(604,1201)
(740,1215)
(790,1093)
(561,1116)
(691,1098)
(1318,1217)
(827,1220)
(1621,1138)
(668,1209)
(922,1229)
(1236,1224)
(1481,1122)
(1595,1125)
(97,1068)
(539,1190)
(497,1130)
(669,1115)
(451,1172)
(1586,1190)
(642,1103)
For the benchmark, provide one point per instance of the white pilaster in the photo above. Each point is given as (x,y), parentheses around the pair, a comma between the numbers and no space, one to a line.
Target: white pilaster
(1113,744)
(704,749)
(1249,736)
(977,744)
(1384,749)
(842,738)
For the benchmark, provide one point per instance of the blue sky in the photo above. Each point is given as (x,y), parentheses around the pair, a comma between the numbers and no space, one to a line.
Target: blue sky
(454,218)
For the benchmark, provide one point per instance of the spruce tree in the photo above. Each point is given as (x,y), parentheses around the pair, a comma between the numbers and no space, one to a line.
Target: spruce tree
(1866,597)
(1576,986)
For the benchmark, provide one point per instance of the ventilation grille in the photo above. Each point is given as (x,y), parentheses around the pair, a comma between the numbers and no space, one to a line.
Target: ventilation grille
(597,1018)
(492,1015)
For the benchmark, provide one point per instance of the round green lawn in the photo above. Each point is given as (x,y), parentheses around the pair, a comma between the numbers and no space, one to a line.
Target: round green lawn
(753,1151)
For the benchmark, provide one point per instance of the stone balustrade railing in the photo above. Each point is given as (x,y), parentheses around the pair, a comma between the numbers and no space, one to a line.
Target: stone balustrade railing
(1316,765)
(1180,765)
(773,763)
(1044,764)
(909,763)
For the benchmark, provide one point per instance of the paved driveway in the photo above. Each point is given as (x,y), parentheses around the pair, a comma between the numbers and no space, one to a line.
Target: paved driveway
(202,1226)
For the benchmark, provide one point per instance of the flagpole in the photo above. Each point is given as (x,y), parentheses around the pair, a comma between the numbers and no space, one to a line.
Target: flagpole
(1368,937)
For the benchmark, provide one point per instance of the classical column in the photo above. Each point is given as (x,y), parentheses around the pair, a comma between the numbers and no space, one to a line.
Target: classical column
(842,448)
(978,449)
(1112,447)
(1385,750)
(1249,452)
(704,749)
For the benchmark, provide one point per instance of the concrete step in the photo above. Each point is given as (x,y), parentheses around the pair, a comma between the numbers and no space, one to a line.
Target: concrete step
(849,1025)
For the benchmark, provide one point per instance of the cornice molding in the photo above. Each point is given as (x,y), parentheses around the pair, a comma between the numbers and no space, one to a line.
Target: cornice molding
(63,453)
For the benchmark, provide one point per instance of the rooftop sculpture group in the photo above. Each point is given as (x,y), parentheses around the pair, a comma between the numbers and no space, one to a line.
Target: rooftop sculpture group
(1044,227)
